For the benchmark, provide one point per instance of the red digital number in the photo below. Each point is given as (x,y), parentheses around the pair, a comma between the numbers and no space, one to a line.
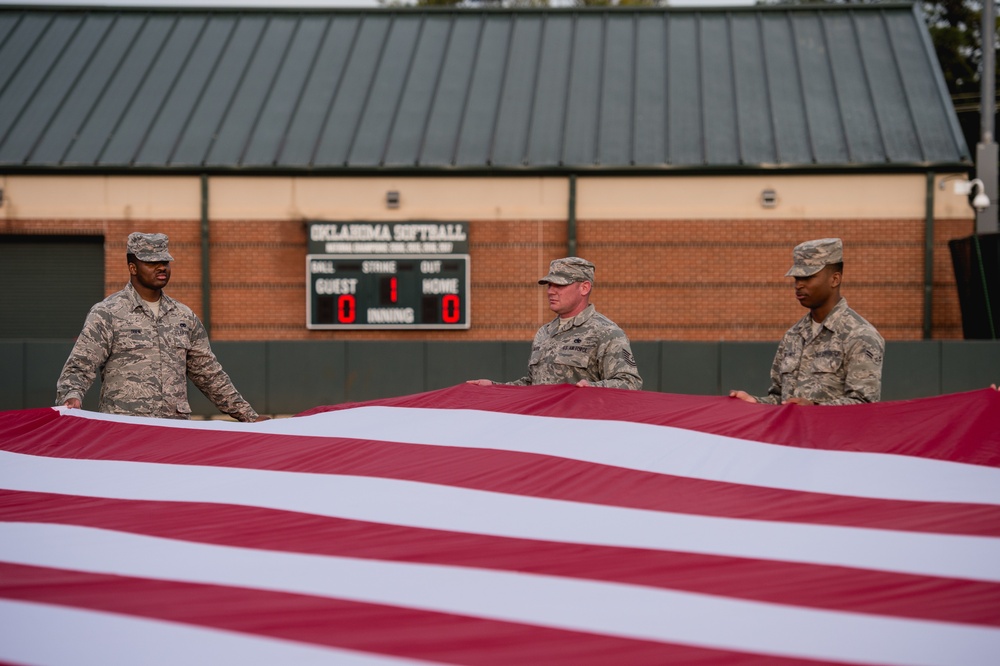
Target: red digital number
(346,309)
(451,309)
(393,294)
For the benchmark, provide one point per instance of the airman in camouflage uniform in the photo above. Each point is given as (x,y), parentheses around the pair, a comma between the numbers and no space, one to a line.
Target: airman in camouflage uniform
(832,356)
(146,349)
(580,346)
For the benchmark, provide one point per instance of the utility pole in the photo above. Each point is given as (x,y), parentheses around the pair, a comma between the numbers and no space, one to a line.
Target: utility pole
(986,149)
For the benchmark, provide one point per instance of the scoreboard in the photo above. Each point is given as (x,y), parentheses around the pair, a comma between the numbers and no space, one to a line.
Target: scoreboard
(415,287)
(389,291)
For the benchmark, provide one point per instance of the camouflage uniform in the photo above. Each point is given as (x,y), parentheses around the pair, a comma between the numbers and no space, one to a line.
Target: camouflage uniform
(842,364)
(588,346)
(145,360)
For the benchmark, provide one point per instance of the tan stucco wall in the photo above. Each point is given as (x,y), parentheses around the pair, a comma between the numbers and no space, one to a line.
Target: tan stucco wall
(364,198)
(462,198)
(100,197)
(739,197)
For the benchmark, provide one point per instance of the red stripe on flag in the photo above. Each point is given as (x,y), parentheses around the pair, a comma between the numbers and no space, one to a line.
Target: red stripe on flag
(817,586)
(365,627)
(961,427)
(509,472)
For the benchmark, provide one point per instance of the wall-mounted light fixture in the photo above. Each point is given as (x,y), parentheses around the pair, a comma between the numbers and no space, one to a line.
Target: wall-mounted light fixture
(392,199)
(768,198)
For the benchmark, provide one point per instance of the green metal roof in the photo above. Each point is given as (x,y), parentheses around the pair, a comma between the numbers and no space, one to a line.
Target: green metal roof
(475,90)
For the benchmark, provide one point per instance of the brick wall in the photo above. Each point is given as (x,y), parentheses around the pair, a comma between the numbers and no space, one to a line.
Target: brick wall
(660,280)
(724,279)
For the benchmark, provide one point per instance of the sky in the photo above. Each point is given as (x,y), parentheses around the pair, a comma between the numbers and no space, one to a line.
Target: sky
(306,3)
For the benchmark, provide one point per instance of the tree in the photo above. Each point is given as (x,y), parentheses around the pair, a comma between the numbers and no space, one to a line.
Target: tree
(955,28)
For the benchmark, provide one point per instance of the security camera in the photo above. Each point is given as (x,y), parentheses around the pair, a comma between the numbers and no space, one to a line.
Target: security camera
(981,201)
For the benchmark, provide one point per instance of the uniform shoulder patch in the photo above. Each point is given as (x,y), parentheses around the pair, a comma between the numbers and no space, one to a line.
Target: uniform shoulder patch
(870,353)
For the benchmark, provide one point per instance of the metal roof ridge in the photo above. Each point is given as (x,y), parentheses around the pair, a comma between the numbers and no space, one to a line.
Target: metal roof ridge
(285,9)
(303,171)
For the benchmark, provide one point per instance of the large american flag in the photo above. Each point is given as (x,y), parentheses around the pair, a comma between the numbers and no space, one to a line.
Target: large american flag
(507,525)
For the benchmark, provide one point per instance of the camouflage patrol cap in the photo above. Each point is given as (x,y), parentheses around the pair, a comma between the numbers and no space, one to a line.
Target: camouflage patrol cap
(569,270)
(812,256)
(148,247)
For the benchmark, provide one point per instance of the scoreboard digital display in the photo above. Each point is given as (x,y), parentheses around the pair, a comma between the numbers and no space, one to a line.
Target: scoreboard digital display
(390,275)
(388,291)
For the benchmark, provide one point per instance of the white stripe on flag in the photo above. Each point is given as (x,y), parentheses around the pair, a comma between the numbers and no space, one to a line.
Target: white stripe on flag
(628,611)
(638,446)
(431,506)
(42,634)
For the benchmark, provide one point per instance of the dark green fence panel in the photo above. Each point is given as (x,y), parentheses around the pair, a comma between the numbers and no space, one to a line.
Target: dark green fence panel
(745,366)
(647,360)
(43,361)
(912,369)
(305,373)
(384,369)
(515,361)
(689,367)
(967,365)
(450,363)
(287,377)
(246,365)
(12,374)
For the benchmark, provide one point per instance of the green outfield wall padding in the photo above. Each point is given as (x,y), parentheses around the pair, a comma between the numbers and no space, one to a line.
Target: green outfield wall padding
(287,377)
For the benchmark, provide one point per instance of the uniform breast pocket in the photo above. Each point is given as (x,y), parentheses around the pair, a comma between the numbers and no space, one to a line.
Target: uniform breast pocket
(133,339)
(829,362)
(575,359)
(178,338)
(789,364)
